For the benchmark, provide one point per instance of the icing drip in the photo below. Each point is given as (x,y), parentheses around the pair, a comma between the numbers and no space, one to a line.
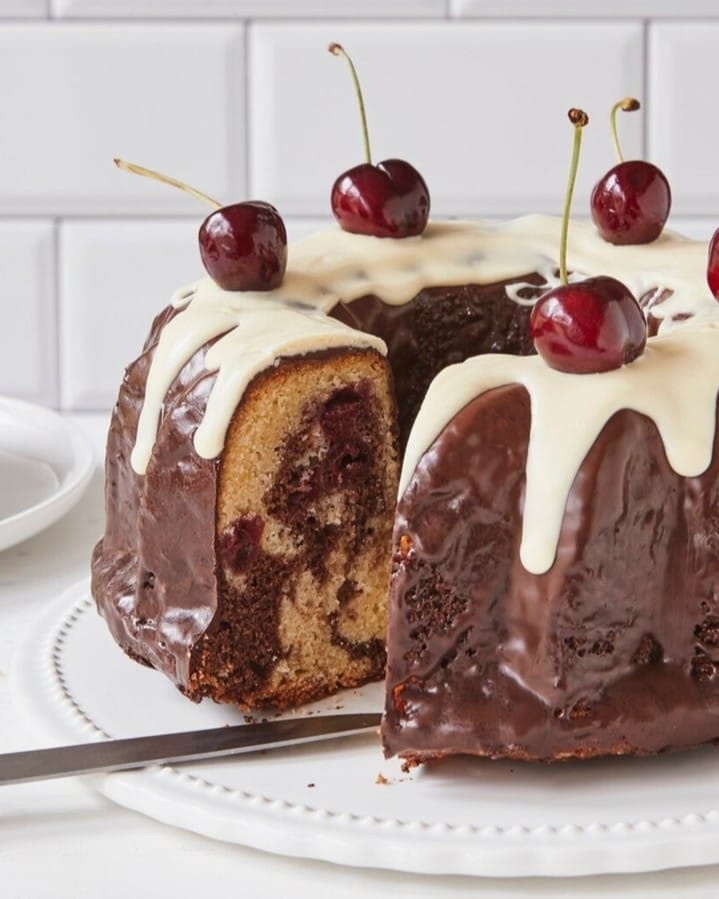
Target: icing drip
(255,332)
(675,383)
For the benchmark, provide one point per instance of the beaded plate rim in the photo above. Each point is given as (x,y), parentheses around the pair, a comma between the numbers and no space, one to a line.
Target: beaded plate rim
(482,850)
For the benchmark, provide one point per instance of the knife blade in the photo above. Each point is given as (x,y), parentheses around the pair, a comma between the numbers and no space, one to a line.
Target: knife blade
(188,746)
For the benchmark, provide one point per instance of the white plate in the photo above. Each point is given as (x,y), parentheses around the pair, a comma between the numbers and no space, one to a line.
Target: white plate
(467,816)
(45,465)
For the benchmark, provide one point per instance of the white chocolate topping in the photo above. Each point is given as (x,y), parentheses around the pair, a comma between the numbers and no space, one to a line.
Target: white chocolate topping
(675,382)
(256,331)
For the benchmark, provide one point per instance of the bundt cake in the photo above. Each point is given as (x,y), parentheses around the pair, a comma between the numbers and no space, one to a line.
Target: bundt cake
(555,542)
(252,462)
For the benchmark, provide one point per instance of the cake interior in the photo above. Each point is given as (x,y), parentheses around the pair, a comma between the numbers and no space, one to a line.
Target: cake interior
(306,490)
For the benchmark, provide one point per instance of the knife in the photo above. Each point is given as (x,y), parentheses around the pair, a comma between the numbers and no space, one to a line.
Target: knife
(189,746)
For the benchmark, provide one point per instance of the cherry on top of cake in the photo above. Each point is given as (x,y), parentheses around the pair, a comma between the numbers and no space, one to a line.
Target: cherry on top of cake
(243,246)
(588,326)
(389,199)
(630,204)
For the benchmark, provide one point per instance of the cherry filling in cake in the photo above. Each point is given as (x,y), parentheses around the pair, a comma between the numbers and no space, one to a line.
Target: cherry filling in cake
(305,494)
(328,489)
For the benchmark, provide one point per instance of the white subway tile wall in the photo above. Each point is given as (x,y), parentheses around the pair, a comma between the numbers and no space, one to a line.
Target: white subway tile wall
(23,9)
(75,95)
(114,278)
(240,98)
(484,121)
(28,361)
(682,133)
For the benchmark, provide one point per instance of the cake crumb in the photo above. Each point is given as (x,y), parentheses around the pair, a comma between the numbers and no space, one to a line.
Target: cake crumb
(408,764)
(381,779)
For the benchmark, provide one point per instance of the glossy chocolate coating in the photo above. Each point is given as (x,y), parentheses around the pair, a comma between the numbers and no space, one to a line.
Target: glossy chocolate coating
(612,651)
(157,597)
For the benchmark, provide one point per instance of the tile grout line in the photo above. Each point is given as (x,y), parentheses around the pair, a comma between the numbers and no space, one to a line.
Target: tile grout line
(145,218)
(646,96)
(246,111)
(446,18)
(225,20)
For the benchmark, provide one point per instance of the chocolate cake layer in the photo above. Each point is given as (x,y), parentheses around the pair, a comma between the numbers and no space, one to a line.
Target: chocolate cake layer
(614,650)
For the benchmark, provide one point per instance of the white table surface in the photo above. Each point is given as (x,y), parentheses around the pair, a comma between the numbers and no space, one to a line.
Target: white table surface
(61,840)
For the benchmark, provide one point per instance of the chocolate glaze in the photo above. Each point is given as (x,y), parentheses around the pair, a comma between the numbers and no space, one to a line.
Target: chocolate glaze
(613,650)
(158,598)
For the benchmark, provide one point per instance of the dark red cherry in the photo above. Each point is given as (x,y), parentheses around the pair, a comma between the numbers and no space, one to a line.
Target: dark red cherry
(389,199)
(588,326)
(631,203)
(244,246)
(713,265)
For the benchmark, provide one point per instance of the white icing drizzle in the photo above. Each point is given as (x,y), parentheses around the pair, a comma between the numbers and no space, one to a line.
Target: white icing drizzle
(256,332)
(675,382)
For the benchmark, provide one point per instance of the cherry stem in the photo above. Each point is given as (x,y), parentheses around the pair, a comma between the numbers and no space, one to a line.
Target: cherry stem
(579,119)
(165,179)
(628,104)
(339,50)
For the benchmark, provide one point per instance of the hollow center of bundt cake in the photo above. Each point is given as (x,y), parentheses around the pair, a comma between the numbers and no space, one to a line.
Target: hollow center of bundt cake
(442,326)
